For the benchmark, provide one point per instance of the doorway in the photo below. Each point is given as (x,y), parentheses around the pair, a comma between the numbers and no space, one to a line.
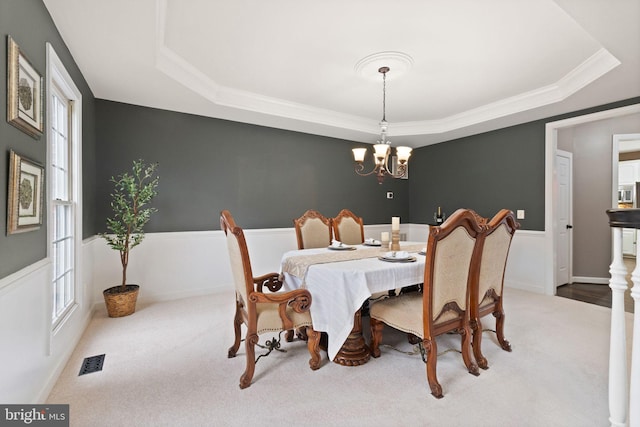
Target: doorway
(551,236)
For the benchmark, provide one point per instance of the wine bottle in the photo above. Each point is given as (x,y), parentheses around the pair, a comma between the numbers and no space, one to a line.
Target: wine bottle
(439,216)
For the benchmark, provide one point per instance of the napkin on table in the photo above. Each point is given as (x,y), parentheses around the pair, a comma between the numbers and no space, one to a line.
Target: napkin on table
(336,243)
(397,254)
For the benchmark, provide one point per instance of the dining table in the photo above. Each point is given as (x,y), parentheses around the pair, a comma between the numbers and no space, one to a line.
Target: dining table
(341,279)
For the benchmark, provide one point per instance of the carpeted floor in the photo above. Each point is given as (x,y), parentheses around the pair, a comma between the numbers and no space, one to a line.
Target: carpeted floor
(167,365)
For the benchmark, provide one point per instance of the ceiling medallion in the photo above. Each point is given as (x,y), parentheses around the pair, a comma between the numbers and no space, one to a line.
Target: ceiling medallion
(399,62)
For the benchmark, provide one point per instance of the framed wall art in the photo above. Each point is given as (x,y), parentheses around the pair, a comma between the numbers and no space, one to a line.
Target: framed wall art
(25,92)
(26,192)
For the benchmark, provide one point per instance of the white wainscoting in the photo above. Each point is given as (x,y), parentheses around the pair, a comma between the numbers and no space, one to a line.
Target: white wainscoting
(33,355)
(183,264)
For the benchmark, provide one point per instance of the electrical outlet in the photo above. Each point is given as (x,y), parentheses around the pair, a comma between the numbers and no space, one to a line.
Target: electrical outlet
(389,194)
(520,214)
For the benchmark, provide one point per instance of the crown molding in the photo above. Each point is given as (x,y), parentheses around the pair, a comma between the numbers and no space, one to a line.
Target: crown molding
(180,70)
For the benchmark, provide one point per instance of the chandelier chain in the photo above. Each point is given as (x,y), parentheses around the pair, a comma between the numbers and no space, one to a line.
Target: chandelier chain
(384,95)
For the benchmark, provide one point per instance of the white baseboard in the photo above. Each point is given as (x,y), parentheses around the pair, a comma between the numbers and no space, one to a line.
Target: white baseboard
(524,286)
(594,280)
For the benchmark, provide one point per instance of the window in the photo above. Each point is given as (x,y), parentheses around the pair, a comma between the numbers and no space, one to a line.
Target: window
(63,172)
(62,215)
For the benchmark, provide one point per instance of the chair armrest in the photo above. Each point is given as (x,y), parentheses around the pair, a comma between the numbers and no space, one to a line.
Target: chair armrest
(271,281)
(299,300)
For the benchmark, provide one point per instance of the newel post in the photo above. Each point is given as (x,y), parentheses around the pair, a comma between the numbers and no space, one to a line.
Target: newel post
(620,394)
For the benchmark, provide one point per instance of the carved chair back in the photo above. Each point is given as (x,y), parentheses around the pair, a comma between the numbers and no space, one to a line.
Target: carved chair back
(452,260)
(495,251)
(348,228)
(238,256)
(313,230)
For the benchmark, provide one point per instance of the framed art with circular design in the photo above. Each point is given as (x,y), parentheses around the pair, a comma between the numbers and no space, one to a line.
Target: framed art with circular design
(25,92)
(26,192)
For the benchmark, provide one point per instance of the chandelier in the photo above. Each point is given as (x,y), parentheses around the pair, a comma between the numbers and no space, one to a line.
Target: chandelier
(382,149)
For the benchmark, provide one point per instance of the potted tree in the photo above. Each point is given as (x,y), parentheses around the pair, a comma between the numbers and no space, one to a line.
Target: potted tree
(132,193)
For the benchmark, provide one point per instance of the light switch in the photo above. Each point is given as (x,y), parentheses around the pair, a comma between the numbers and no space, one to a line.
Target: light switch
(389,194)
(520,214)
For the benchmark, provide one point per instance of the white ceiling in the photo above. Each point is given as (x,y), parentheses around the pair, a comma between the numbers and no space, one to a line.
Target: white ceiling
(475,65)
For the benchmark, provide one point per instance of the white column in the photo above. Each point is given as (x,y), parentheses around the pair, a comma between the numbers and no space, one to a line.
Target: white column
(618,391)
(634,393)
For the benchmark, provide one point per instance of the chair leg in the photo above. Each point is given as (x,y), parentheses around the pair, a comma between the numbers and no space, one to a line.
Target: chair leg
(250,342)
(300,333)
(289,335)
(476,342)
(413,339)
(431,349)
(376,336)
(313,344)
(467,354)
(499,315)
(237,322)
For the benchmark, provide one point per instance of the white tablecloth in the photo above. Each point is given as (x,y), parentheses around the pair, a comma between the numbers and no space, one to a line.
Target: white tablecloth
(338,289)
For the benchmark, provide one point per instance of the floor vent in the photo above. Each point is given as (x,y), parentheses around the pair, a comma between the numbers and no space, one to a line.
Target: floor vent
(92,364)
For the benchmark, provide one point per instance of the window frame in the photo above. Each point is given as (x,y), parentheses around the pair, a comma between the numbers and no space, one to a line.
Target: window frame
(58,79)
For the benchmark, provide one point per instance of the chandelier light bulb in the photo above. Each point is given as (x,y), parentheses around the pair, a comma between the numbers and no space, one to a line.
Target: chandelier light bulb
(358,154)
(403,154)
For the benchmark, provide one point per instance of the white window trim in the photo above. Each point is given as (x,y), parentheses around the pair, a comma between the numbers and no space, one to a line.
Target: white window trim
(56,72)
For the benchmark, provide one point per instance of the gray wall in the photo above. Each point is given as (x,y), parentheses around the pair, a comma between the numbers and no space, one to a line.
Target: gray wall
(485,172)
(591,145)
(264,176)
(30,25)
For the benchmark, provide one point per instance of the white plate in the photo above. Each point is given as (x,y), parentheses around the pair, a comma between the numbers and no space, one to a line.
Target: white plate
(342,248)
(408,259)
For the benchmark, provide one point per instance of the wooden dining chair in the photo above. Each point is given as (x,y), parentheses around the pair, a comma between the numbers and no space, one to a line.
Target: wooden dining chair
(486,292)
(313,230)
(348,228)
(261,306)
(443,306)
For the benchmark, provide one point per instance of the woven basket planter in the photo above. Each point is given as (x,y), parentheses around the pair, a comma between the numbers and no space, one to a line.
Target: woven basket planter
(121,303)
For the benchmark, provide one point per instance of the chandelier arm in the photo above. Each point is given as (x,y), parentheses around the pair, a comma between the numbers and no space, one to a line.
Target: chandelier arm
(359,167)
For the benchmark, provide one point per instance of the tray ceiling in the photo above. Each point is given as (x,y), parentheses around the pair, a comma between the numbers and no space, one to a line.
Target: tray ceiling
(472,65)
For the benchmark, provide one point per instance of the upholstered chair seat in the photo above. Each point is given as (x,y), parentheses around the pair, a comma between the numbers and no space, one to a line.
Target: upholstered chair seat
(268,318)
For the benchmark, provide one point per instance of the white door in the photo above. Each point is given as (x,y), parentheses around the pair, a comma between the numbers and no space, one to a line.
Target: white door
(564,162)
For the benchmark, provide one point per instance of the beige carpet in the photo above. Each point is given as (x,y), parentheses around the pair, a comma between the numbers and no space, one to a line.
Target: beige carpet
(167,365)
